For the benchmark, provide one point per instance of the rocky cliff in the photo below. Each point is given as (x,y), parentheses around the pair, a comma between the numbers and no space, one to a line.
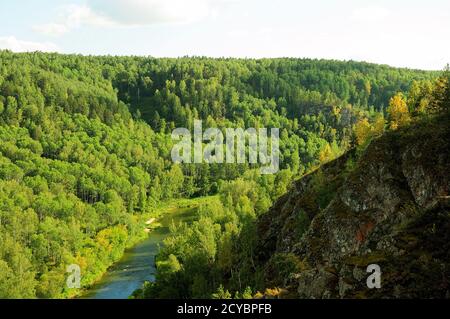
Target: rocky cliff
(387,206)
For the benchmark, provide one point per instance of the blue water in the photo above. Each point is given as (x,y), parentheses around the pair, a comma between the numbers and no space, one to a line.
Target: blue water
(137,264)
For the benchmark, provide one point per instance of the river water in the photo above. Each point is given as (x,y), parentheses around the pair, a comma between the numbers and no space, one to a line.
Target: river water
(138,263)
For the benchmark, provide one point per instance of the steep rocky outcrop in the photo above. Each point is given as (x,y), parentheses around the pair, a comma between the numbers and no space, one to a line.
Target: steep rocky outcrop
(390,207)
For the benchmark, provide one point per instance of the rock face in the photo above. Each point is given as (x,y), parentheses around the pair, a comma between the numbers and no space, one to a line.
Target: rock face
(389,208)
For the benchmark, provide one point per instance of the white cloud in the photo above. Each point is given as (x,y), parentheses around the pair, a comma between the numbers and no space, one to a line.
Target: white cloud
(149,12)
(53,29)
(16,45)
(122,13)
(71,17)
(370,14)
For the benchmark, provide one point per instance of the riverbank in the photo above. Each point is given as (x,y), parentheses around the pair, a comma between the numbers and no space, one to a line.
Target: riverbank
(148,224)
(137,262)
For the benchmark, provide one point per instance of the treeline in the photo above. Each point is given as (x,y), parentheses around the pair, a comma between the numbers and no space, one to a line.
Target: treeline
(85,147)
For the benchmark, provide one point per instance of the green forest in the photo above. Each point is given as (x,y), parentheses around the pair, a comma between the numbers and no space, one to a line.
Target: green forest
(85,146)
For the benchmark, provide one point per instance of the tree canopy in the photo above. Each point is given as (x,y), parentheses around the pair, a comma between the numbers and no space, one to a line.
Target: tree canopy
(85,151)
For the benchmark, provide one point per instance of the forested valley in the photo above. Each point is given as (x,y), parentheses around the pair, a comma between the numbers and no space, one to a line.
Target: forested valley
(85,148)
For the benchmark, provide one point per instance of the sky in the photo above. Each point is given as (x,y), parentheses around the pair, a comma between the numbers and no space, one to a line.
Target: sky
(413,34)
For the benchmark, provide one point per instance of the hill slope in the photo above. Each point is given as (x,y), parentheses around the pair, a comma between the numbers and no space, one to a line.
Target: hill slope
(85,148)
(390,208)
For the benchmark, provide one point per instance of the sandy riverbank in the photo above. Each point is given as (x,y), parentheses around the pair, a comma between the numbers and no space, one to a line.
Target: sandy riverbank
(148,223)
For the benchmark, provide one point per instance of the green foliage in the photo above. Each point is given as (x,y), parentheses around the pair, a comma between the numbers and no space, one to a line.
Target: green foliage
(430,97)
(281,266)
(221,293)
(85,155)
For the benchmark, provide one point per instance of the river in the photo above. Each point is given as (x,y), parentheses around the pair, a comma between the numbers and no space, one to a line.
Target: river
(138,263)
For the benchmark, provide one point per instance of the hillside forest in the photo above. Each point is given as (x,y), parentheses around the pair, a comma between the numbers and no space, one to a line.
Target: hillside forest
(85,156)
